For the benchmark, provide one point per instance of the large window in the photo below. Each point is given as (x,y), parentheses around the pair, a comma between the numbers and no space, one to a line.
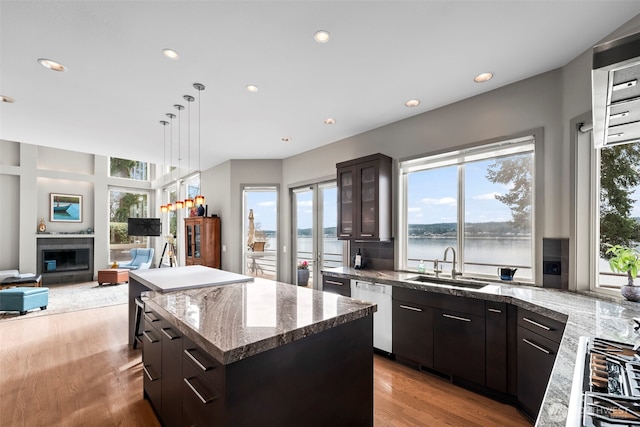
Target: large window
(131,169)
(619,206)
(478,201)
(125,204)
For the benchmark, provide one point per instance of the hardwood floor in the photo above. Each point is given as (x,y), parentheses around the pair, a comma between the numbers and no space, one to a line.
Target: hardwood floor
(75,369)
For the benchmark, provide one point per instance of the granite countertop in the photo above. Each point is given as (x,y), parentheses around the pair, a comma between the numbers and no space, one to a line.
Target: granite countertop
(239,320)
(585,315)
(186,277)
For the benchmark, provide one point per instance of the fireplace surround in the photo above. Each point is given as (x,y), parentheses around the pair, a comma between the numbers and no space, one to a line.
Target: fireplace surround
(65,259)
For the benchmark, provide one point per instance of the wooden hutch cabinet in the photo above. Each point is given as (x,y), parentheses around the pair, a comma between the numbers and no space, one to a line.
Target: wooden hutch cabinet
(202,241)
(364,198)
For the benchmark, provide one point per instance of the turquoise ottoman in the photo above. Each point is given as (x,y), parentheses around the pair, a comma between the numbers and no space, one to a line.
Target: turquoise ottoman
(24,299)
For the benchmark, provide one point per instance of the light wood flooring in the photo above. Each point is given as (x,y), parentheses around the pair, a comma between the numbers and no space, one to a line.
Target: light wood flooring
(75,369)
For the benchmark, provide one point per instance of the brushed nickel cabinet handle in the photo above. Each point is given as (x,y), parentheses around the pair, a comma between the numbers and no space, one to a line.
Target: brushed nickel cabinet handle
(450,316)
(345,235)
(331,282)
(539,325)
(171,337)
(196,392)
(196,361)
(366,235)
(408,307)
(146,372)
(151,338)
(536,346)
(495,310)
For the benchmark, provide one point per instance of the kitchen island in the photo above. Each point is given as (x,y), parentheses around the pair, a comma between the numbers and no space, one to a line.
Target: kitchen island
(174,279)
(258,353)
(583,314)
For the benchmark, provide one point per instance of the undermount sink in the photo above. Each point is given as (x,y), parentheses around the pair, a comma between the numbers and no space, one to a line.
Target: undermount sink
(462,283)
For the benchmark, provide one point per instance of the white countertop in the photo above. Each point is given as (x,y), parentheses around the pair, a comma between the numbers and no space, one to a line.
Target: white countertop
(187,277)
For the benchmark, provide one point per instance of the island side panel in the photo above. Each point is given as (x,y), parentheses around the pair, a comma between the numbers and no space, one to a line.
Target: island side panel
(324,379)
(135,290)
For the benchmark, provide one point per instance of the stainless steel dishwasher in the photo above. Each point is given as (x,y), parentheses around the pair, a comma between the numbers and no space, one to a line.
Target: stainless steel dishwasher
(381,295)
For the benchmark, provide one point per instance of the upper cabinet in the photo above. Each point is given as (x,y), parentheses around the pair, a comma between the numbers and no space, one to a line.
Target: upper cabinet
(364,198)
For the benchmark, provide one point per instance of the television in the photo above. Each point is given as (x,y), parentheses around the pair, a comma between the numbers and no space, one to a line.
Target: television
(144,227)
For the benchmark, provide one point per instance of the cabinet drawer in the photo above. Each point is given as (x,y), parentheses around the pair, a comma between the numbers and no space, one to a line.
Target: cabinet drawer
(337,285)
(465,305)
(209,368)
(151,319)
(541,325)
(428,299)
(202,402)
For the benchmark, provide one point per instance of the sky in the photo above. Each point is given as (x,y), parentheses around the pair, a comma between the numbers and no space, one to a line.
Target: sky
(432,196)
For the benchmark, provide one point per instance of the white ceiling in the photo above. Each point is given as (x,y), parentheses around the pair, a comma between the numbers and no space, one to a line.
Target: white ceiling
(382,53)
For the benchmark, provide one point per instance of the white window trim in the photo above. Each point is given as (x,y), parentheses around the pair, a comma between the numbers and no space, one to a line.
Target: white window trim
(417,163)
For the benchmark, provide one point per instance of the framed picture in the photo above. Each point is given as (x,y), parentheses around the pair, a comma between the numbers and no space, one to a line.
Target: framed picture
(66,207)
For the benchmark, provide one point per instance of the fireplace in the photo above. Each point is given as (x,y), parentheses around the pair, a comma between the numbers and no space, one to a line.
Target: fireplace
(65,260)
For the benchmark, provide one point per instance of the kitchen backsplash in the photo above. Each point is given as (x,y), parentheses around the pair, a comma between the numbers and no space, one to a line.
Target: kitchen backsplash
(376,255)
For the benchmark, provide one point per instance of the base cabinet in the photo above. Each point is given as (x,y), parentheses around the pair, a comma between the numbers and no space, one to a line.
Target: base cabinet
(413,332)
(459,347)
(496,352)
(336,285)
(152,360)
(538,343)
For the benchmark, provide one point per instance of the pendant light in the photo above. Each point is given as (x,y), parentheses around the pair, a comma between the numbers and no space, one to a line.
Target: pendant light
(199,198)
(179,203)
(171,116)
(164,123)
(188,202)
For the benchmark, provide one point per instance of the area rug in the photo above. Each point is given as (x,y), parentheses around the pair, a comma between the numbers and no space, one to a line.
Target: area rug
(80,296)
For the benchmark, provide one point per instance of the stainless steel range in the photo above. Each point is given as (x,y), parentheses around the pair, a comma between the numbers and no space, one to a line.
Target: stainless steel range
(606,384)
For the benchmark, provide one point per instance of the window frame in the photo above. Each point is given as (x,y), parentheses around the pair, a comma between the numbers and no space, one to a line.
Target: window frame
(537,216)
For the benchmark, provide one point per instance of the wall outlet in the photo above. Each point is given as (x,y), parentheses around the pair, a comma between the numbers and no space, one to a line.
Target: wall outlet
(224,248)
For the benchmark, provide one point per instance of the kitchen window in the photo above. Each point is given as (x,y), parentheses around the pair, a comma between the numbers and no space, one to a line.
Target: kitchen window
(618,210)
(478,200)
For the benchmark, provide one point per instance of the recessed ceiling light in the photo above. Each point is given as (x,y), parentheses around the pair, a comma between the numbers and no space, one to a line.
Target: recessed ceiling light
(52,65)
(412,103)
(170,53)
(481,78)
(329,121)
(7,99)
(322,36)
(286,139)
(252,88)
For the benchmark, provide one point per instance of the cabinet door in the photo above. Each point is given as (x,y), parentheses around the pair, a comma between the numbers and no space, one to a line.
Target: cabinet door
(496,341)
(346,202)
(367,208)
(189,242)
(536,355)
(171,375)
(412,332)
(152,366)
(459,345)
(197,244)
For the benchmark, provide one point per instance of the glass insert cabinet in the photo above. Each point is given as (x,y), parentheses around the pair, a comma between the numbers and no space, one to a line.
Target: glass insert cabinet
(202,241)
(364,198)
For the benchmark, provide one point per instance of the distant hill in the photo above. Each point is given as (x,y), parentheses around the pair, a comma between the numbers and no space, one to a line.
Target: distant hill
(484,229)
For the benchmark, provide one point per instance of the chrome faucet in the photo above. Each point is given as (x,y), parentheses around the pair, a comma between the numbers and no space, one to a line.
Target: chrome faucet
(454,273)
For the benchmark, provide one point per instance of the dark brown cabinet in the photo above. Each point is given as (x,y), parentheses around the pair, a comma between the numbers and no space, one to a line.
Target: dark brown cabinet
(336,285)
(538,342)
(364,198)
(497,361)
(202,241)
(162,366)
(413,332)
(458,344)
